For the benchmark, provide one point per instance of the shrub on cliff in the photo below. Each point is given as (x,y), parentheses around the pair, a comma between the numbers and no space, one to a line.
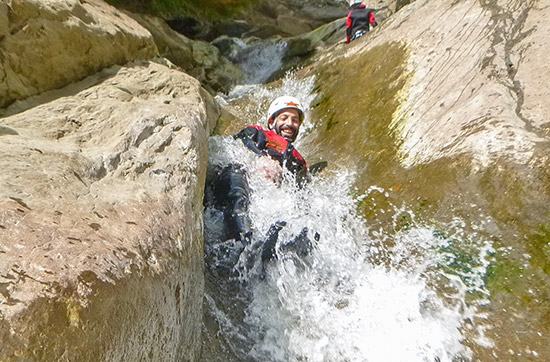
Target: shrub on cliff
(209,9)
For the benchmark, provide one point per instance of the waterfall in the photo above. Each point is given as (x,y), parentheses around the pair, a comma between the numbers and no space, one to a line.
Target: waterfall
(361,295)
(259,59)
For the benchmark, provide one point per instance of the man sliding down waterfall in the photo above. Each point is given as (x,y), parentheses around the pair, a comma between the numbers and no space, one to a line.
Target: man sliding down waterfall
(230,187)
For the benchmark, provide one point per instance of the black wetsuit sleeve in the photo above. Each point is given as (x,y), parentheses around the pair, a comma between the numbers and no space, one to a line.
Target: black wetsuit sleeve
(253,139)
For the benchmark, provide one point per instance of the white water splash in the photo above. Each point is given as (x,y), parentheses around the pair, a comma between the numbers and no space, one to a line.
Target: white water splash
(338,304)
(342,307)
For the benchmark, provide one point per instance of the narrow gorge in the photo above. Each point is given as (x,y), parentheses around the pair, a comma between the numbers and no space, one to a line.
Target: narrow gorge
(432,215)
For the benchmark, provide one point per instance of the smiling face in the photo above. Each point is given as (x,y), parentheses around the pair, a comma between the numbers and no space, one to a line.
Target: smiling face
(286,124)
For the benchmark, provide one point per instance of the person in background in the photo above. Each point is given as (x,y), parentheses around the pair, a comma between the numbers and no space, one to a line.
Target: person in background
(359,21)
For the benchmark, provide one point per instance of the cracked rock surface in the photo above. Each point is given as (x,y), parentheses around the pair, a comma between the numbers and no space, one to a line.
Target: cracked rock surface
(477,83)
(101,198)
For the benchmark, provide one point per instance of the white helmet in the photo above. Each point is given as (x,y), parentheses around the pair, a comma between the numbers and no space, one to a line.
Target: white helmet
(282,103)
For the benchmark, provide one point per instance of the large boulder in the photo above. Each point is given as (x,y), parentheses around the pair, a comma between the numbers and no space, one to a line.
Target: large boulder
(325,13)
(49,44)
(326,35)
(198,58)
(101,218)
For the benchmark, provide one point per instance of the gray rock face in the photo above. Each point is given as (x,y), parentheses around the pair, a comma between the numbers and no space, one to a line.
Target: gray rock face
(326,13)
(48,45)
(286,18)
(470,75)
(100,219)
(292,25)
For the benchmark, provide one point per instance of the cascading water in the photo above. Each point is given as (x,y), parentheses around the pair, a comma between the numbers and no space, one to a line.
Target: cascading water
(361,294)
(259,59)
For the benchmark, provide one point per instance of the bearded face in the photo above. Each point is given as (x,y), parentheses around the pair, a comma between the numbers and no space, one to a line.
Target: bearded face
(286,124)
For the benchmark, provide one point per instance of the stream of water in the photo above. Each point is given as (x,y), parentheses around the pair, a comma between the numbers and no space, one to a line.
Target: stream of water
(415,294)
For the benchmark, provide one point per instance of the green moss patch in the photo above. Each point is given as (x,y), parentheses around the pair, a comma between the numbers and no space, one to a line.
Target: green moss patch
(357,97)
(538,246)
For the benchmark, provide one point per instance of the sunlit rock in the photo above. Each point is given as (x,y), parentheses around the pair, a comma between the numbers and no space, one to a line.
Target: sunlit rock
(465,84)
(101,218)
(48,45)
(442,108)
(292,25)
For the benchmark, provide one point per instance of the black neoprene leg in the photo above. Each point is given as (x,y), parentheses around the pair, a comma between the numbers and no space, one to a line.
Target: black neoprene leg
(232,192)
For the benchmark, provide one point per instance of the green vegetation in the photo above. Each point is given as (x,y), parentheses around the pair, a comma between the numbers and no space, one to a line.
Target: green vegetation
(504,275)
(202,9)
(522,285)
(538,246)
(210,9)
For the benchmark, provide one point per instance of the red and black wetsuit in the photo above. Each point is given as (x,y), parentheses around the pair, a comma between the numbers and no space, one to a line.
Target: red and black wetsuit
(358,20)
(230,186)
(269,143)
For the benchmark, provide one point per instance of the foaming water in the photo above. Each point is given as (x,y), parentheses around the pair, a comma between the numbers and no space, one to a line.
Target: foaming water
(412,295)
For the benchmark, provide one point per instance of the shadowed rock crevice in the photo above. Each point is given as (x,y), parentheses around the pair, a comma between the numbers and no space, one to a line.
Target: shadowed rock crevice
(509,27)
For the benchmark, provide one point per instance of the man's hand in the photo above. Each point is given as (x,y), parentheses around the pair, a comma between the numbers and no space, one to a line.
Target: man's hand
(246,136)
(318,167)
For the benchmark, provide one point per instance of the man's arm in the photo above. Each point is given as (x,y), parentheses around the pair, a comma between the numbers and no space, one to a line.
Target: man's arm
(372,20)
(349,23)
(251,138)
